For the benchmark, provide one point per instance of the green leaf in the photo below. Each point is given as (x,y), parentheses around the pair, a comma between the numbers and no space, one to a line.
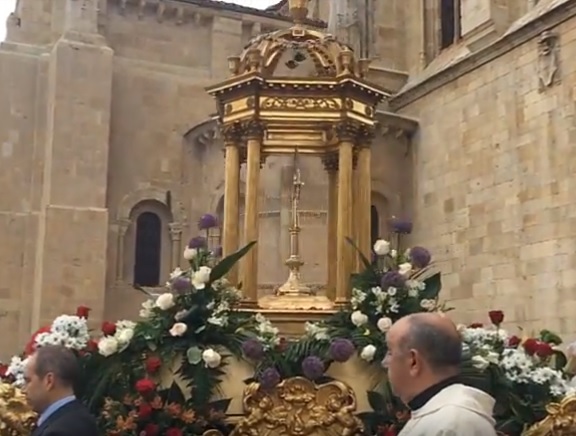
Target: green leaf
(194,355)
(228,262)
(365,261)
(200,329)
(558,360)
(433,287)
(550,337)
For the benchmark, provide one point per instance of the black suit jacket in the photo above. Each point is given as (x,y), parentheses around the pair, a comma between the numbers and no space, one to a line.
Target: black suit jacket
(73,419)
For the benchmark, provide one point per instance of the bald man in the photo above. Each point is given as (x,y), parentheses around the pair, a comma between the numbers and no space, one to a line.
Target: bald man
(423,361)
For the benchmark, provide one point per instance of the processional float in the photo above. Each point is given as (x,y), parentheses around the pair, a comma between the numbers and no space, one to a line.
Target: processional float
(329,114)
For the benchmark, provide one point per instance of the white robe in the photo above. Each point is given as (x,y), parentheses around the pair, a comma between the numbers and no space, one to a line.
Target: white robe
(457,410)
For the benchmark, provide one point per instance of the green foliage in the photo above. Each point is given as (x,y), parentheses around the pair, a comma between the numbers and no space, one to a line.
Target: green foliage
(227,263)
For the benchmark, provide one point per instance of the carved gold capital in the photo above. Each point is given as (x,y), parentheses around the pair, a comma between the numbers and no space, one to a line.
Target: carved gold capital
(300,407)
(232,134)
(330,162)
(253,129)
(347,131)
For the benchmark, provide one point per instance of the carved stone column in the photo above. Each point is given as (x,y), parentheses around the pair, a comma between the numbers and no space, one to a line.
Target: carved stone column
(122,229)
(331,166)
(347,135)
(231,239)
(363,195)
(251,225)
(176,241)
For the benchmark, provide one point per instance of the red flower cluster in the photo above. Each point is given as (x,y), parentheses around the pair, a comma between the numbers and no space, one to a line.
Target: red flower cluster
(152,364)
(496,317)
(145,387)
(535,347)
(108,328)
(83,312)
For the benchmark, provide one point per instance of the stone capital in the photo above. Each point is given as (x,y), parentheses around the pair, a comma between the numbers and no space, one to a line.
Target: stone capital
(175,231)
(232,134)
(122,226)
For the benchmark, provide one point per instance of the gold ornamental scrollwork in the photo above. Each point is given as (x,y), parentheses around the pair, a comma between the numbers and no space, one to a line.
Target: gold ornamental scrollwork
(16,416)
(301,104)
(560,421)
(299,407)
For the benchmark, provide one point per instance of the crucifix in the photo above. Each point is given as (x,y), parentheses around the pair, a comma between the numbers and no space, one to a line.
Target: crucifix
(293,286)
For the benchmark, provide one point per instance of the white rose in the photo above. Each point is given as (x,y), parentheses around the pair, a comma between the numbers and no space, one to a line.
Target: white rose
(178,329)
(358,318)
(384,324)
(201,277)
(190,253)
(124,336)
(107,346)
(428,304)
(211,358)
(382,247)
(165,301)
(393,254)
(405,268)
(368,353)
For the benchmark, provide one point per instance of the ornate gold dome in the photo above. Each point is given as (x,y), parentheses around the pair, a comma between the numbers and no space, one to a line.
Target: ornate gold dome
(294,46)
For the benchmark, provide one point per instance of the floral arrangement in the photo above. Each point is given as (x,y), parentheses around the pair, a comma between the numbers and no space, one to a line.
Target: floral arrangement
(187,335)
(391,286)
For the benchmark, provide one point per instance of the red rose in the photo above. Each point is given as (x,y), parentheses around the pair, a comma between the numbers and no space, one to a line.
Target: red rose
(476,325)
(145,386)
(144,410)
(31,345)
(83,312)
(544,350)
(108,328)
(151,430)
(152,364)
(496,316)
(3,370)
(514,341)
(173,431)
(530,346)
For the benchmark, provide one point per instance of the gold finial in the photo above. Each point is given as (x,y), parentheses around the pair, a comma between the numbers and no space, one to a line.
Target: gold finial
(298,10)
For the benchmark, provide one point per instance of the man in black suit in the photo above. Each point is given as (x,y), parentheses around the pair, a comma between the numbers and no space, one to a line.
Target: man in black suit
(50,375)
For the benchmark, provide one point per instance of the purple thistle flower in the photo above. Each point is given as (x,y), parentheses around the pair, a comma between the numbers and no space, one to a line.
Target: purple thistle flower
(253,349)
(313,367)
(197,242)
(392,279)
(341,349)
(207,221)
(181,284)
(420,257)
(269,378)
(402,227)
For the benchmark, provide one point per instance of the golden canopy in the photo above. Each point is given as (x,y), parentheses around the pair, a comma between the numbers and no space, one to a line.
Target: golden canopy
(331,58)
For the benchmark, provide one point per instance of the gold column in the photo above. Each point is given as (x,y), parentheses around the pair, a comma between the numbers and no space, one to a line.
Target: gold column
(347,135)
(331,166)
(364,199)
(230,242)
(251,227)
(356,219)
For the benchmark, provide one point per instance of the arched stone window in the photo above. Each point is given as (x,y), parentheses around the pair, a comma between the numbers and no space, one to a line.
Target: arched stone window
(449,22)
(374,224)
(148,250)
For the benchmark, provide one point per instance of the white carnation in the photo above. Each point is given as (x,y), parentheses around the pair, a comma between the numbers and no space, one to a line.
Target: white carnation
(178,329)
(358,318)
(201,277)
(368,353)
(381,247)
(190,253)
(384,324)
(107,346)
(165,301)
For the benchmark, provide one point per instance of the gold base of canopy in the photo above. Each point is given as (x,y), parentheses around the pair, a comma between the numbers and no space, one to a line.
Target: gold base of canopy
(290,302)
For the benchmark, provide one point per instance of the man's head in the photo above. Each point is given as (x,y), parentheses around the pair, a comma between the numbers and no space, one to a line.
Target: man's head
(423,349)
(50,374)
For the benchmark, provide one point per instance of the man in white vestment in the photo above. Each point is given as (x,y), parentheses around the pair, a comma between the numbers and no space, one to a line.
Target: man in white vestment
(423,361)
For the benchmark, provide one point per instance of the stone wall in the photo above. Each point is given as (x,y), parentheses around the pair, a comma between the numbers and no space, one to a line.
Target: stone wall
(494,173)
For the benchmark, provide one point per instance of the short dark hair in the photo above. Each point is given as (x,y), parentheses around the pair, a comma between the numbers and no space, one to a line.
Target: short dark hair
(59,361)
(441,348)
